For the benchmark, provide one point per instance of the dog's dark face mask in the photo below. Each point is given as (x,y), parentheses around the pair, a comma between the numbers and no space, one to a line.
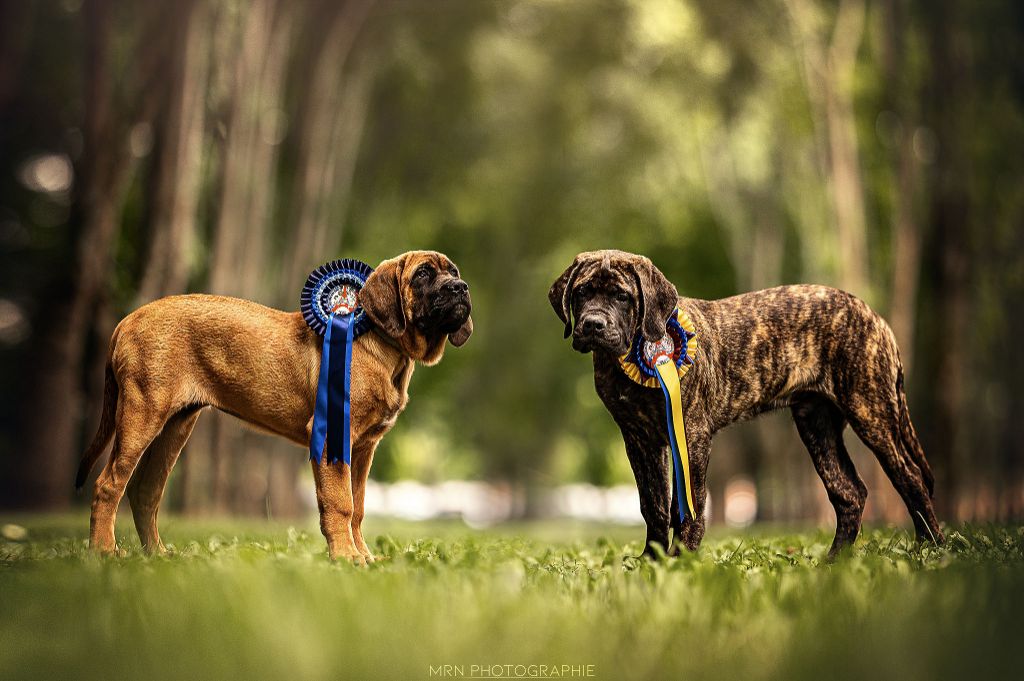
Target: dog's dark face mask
(419,300)
(611,295)
(441,302)
(604,305)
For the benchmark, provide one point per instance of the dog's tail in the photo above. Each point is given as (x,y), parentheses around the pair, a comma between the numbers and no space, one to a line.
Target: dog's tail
(908,436)
(104,431)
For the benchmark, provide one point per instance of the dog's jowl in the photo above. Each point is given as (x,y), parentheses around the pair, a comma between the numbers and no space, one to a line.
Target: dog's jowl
(174,357)
(818,351)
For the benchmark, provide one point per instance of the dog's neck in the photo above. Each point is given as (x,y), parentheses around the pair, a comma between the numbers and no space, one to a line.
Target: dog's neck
(385,339)
(410,347)
(386,350)
(421,348)
(604,357)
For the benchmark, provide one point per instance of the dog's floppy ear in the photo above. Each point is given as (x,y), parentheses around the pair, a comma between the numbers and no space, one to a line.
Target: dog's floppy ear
(658,298)
(560,294)
(459,337)
(381,297)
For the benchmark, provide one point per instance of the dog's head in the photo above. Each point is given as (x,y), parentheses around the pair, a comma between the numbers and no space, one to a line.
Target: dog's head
(418,300)
(612,295)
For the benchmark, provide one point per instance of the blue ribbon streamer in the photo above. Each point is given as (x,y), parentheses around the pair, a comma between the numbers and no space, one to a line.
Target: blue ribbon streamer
(332,412)
(677,463)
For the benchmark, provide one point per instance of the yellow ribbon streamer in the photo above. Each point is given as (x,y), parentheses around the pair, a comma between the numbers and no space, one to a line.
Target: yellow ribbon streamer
(669,380)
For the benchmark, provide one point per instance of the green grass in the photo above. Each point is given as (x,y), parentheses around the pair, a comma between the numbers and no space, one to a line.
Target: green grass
(261,601)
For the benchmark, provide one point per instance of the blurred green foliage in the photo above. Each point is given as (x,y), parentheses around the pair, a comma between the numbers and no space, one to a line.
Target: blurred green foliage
(513,134)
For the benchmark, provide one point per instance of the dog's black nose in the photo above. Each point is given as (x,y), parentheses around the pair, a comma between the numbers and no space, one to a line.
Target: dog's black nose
(457,286)
(593,325)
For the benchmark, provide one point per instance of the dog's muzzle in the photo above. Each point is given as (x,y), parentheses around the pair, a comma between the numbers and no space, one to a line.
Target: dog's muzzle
(451,306)
(595,330)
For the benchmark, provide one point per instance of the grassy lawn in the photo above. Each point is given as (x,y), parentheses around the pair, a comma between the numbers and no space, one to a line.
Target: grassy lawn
(261,601)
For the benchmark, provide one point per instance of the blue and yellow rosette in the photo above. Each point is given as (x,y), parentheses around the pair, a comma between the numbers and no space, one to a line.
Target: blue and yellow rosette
(330,306)
(663,364)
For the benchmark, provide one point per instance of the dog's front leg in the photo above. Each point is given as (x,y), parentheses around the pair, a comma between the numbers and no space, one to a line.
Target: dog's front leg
(690,531)
(649,460)
(334,499)
(362,459)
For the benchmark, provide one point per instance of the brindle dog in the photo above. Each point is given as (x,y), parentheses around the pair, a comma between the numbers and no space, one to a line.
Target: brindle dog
(174,357)
(819,351)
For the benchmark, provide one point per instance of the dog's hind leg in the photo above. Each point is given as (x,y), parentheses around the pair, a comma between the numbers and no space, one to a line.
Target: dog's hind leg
(877,422)
(146,489)
(821,425)
(138,424)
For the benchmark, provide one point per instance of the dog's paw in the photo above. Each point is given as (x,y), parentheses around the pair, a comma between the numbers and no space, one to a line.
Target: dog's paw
(654,552)
(116,552)
(157,550)
(352,556)
(107,550)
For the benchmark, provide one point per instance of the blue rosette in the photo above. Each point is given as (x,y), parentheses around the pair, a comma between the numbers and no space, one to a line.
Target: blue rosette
(330,306)
(679,344)
(333,288)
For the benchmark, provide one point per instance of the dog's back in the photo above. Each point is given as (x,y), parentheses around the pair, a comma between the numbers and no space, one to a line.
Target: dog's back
(203,331)
(770,344)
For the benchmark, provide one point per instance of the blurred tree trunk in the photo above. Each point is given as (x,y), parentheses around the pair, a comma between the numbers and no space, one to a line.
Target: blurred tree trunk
(828,72)
(1009,458)
(847,184)
(948,253)
(906,237)
(16,25)
(179,147)
(52,407)
(329,125)
(238,264)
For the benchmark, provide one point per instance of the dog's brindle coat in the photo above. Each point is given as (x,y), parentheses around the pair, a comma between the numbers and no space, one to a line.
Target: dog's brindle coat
(173,357)
(819,351)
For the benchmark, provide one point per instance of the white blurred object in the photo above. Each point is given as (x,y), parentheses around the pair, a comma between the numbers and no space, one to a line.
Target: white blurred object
(50,173)
(411,500)
(623,505)
(740,502)
(619,504)
(481,504)
(12,532)
(14,326)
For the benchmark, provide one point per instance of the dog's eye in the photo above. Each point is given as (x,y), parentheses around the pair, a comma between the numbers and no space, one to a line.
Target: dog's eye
(622,296)
(583,291)
(423,272)
(454,271)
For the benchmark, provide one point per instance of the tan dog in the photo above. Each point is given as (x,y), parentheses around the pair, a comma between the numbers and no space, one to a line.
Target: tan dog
(170,359)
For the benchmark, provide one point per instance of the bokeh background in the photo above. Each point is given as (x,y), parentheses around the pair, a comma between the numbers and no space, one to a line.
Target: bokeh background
(155,148)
